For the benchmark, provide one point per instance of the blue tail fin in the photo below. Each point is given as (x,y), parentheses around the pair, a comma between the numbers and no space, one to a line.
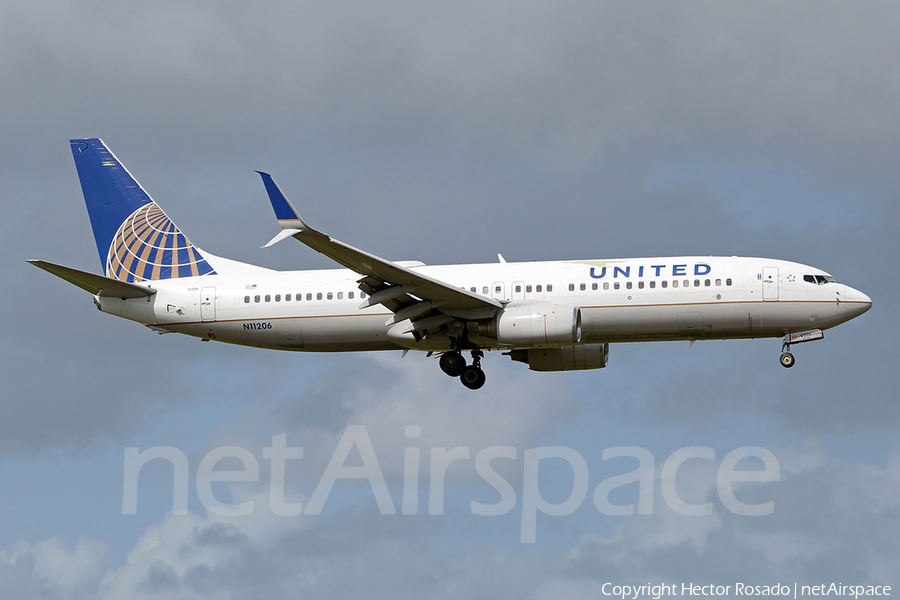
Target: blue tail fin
(135,238)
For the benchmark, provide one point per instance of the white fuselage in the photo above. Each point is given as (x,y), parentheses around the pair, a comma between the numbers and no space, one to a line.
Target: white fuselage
(627,300)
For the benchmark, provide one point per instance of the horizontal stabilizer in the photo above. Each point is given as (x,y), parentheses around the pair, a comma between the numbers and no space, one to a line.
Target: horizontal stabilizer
(93,283)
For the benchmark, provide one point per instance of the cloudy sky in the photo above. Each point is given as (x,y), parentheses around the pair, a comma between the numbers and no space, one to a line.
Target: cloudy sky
(449,132)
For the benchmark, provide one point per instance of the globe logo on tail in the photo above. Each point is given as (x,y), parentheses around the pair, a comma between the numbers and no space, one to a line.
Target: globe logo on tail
(148,246)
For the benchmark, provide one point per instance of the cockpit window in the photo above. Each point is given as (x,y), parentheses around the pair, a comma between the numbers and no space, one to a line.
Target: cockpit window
(819,279)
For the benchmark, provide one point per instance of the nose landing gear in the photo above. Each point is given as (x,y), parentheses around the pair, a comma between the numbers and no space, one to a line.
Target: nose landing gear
(797,337)
(787,359)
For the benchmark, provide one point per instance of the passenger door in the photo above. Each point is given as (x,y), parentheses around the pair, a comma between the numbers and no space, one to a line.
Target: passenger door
(770,284)
(208,304)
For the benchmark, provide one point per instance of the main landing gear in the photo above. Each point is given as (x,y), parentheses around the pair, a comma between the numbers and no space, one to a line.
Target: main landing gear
(454,365)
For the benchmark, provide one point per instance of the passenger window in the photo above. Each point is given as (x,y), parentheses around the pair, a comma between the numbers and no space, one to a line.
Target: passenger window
(256,298)
(246,299)
(308,297)
(687,283)
(350,295)
(616,285)
(571,287)
(319,296)
(728,281)
(640,285)
(518,289)
(287,297)
(594,286)
(549,287)
(605,285)
(472,289)
(675,283)
(628,285)
(706,282)
(484,290)
(362,294)
(277,297)
(664,283)
(696,283)
(718,282)
(538,288)
(497,289)
(268,298)
(583,287)
(340,295)
(528,289)
(652,285)
(330,296)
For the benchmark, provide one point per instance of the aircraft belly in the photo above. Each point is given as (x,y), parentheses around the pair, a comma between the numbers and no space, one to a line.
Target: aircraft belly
(316,334)
(705,321)
(665,321)
(336,334)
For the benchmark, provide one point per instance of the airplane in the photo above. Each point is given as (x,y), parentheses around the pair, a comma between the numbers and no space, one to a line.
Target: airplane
(552,315)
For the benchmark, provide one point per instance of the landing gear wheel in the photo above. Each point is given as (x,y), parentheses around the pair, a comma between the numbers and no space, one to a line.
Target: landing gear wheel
(787,360)
(472,377)
(452,363)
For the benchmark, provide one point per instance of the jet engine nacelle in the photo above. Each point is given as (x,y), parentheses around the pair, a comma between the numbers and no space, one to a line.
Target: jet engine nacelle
(538,325)
(570,358)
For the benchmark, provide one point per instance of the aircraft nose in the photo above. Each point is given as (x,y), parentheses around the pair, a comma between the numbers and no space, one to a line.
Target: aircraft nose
(856,302)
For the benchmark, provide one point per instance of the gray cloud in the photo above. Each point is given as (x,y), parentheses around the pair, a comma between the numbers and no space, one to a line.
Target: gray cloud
(832,521)
(448,133)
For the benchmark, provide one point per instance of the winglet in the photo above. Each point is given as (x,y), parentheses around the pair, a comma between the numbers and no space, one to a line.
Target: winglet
(287,215)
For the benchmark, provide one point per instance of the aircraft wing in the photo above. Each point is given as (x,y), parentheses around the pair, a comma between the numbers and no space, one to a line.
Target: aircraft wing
(95,284)
(404,291)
